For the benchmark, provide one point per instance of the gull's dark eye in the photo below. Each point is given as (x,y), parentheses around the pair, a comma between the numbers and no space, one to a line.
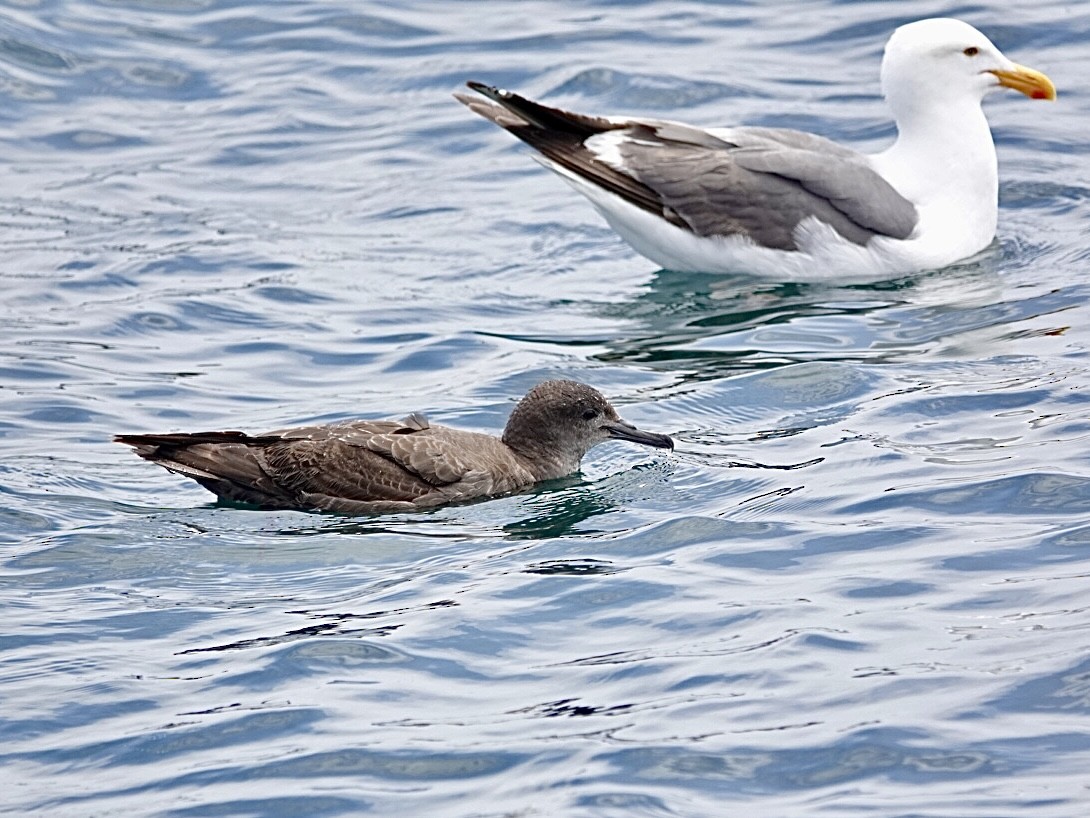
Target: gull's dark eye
(971,51)
(590,414)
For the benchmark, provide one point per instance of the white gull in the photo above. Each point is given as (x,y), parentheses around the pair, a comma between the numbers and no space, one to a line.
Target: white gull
(790,205)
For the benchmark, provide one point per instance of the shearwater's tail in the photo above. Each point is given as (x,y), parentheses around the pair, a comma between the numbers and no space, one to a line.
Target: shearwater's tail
(226,463)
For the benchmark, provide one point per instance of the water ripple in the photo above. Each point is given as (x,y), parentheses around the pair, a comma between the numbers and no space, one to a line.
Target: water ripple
(858,582)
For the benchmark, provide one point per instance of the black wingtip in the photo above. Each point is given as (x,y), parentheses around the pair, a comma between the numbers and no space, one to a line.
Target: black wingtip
(492,92)
(130,440)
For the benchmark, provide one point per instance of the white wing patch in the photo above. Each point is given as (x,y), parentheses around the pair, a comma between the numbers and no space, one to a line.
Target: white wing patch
(606,147)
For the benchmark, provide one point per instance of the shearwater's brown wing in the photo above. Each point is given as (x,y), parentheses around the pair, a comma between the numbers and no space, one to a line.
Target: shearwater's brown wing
(357,467)
(277,470)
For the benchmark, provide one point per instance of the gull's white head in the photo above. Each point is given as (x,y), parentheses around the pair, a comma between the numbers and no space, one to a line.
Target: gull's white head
(944,61)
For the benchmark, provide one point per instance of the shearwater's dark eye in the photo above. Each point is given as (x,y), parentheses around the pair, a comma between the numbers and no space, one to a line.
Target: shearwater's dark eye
(590,414)
(971,51)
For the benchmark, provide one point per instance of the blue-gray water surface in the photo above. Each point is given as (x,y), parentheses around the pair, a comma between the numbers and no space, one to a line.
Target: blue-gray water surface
(858,587)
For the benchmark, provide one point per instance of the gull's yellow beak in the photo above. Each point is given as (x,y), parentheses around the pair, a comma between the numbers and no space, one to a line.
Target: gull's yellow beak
(1032,83)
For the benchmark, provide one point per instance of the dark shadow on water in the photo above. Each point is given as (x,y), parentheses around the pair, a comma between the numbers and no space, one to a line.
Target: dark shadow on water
(338,625)
(726,461)
(583,567)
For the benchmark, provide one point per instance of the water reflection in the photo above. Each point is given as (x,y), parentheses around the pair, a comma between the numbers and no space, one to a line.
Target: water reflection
(554,509)
(705,327)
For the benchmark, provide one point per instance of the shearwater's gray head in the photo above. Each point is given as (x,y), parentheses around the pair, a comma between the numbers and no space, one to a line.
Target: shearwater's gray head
(560,421)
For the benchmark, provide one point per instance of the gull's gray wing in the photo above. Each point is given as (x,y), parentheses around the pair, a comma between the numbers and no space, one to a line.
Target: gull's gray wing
(758,183)
(830,171)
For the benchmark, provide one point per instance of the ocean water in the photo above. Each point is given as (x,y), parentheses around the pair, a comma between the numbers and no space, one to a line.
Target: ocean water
(860,586)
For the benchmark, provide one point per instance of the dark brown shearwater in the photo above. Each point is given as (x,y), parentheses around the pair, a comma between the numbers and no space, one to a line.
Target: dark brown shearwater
(373,466)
